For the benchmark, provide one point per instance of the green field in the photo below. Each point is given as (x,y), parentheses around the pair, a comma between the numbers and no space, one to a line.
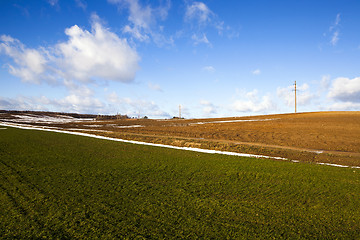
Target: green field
(55,185)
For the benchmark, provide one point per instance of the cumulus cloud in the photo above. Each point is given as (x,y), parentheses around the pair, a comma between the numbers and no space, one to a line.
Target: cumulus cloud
(19,103)
(70,103)
(99,53)
(87,55)
(303,95)
(76,103)
(342,106)
(29,64)
(251,102)
(138,107)
(345,90)
(208,107)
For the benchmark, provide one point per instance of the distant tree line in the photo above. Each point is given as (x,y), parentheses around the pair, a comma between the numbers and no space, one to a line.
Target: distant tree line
(112,117)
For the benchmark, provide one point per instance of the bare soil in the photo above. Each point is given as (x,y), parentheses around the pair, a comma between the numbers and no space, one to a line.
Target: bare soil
(331,137)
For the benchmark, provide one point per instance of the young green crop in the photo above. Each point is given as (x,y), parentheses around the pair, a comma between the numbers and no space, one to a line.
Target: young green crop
(56,185)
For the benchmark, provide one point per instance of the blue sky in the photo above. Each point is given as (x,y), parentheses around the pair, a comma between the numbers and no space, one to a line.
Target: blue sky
(214,58)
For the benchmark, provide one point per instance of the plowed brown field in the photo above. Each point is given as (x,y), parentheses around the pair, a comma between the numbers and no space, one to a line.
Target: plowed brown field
(332,137)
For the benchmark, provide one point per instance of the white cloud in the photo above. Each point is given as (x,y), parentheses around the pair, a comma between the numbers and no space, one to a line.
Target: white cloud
(136,107)
(136,33)
(200,17)
(19,103)
(99,53)
(209,69)
(70,103)
(208,107)
(30,63)
(334,30)
(199,12)
(334,38)
(256,72)
(143,20)
(93,55)
(198,40)
(251,102)
(345,89)
(303,95)
(343,106)
(75,103)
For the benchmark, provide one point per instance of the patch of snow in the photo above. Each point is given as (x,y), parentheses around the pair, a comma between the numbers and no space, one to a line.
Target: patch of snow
(130,126)
(90,130)
(337,165)
(124,126)
(46,119)
(318,152)
(3,128)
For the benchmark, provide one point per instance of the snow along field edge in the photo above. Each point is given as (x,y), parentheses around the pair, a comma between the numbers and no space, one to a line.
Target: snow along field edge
(165,146)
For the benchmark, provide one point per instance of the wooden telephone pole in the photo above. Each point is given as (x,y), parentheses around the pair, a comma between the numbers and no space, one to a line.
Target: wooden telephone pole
(179,111)
(295,96)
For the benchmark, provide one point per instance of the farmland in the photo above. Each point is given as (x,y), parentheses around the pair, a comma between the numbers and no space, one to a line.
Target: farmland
(55,185)
(325,137)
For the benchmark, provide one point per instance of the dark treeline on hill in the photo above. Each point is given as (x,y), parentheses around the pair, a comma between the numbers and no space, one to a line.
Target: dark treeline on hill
(111,117)
(74,115)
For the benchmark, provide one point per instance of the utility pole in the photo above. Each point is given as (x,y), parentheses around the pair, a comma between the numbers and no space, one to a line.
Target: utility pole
(295,96)
(179,111)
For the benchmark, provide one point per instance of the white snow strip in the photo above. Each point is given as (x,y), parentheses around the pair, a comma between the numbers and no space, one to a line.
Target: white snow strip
(123,126)
(318,152)
(167,146)
(90,130)
(3,128)
(337,165)
(231,121)
(130,126)
(46,119)
(118,126)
